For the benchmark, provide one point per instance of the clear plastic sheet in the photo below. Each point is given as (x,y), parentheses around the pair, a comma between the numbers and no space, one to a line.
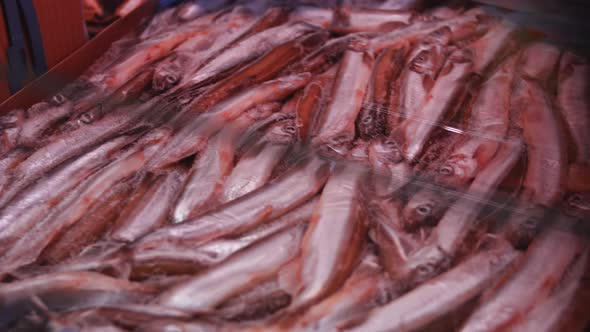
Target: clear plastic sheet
(304,168)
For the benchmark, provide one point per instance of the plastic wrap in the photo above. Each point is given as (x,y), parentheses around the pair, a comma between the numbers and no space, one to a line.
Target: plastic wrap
(303,168)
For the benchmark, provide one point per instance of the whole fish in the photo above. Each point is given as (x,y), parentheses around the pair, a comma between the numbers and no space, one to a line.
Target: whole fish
(183,259)
(372,120)
(38,200)
(438,297)
(193,136)
(255,167)
(462,27)
(333,241)
(73,144)
(365,289)
(90,228)
(449,86)
(189,56)
(249,49)
(394,245)
(349,20)
(449,235)
(151,208)
(545,179)
(558,311)
(67,291)
(239,273)
(264,68)
(213,165)
(416,81)
(487,127)
(531,282)
(279,196)
(337,125)
(72,208)
(312,103)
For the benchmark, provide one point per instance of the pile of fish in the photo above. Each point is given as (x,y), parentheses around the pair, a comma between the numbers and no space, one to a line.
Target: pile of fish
(301,168)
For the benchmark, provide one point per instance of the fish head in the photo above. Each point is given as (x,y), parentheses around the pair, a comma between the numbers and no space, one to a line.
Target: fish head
(439,36)
(385,151)
(165,78)
(425,264)
(578,205)
(282,132)
(359,151)
(428,60)
(457,171)
(425,208)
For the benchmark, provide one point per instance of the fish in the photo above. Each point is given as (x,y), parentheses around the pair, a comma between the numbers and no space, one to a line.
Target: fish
(493,46)
(390,171)
(261,70)
(148,51)
(38,122)
(448,236)
(7,164)
(393,243)
(237,274)
(557,312)
(317,16)
(462,27)
(255,167)
(438,297)
(191,138)
(10,126)
(545,179)
(213,165)
(151,208)
(285,193)
(70,145)
(193,53)
(76,205)
(487,127)
(247,50)
(333,241)
(425,208)
(573,102)
(365,289)
(416,81)
(337,126)
(372,120)
(90,228)
(312,103)
(37,201)
(349,20)
(449,86)
(530,283)
(67,291)
(182,259)
(539,61)
(259,302)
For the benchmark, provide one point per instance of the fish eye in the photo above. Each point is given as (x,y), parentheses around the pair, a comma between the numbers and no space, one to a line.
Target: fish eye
(446,170)
(575,199)
(290,129)
(424,210)
(171,79)
(58,99)
(86,118)
(421,57)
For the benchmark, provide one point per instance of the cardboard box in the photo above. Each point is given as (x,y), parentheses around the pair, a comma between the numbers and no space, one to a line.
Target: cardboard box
(71,65)
(62,30)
